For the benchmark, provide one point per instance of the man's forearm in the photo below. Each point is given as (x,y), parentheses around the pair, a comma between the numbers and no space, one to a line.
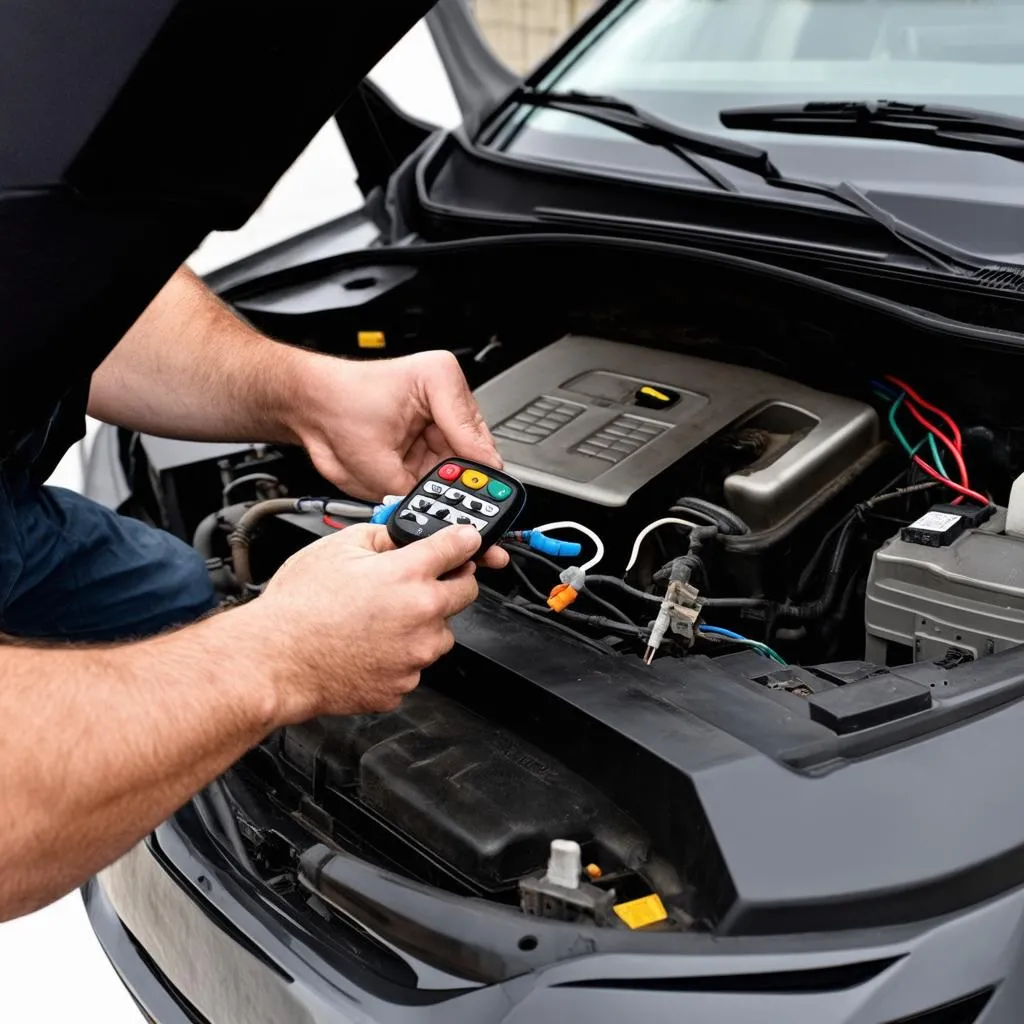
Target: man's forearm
(99,745)
(190,368)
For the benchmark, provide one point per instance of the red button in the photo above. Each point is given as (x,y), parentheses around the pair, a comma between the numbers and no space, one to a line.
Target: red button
(449,471)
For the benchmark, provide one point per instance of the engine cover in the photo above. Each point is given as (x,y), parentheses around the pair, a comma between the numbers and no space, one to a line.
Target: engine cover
(598,420)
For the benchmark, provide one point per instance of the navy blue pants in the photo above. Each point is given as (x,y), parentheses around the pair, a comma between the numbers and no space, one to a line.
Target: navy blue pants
(71,569)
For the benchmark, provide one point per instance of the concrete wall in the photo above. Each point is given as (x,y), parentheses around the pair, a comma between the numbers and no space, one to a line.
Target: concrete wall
(524,31)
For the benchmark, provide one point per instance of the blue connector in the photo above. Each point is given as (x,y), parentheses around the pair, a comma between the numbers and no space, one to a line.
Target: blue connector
(382,513)
(548,545)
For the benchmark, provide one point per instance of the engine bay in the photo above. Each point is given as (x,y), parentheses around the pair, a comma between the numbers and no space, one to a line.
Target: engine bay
(765,578)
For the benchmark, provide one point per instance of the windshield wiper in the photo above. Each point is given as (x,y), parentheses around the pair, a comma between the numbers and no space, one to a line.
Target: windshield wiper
(693,147)
(685,143)
(924,123)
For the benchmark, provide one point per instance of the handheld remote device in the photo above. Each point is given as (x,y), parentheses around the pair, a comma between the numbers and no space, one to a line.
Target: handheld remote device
(459,492)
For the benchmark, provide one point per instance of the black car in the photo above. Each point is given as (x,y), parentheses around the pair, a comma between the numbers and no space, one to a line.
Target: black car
(740,288)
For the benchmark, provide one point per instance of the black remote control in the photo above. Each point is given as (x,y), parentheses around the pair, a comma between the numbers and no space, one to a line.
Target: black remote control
(459,492)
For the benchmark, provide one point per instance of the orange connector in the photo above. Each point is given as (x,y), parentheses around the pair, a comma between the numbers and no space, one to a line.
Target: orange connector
(561,597)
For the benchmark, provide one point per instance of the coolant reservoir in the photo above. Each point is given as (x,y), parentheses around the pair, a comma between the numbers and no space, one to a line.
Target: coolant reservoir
(1015,509)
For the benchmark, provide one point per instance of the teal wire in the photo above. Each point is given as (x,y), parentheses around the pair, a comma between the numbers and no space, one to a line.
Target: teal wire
(936,456)
(907,447)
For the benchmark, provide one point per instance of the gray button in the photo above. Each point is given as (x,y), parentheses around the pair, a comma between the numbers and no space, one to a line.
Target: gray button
(454,494)
(538,431)
(615,431)
(586,449)
(608,455)
(421,503)
(515,435)
(626,447)
(549,424)
(485,508)
(461,519)
(435,487)
(637,436)
(599,442)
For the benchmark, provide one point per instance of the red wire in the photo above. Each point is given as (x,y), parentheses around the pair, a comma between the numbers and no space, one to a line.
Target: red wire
(337,524)
(915,397)
(959,488)
(958,458)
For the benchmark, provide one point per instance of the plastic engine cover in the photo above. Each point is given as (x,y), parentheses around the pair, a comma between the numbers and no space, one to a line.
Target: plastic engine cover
(475,796)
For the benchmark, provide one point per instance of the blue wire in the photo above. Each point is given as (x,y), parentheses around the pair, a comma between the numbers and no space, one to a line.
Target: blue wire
(882,386)
(719,631)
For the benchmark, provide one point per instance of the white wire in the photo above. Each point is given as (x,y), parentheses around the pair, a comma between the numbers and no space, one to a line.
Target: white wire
(568,525)
(640,537)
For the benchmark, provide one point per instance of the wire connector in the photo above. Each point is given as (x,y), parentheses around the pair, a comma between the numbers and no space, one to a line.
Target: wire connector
(573,580)
(382,513)
(679,612)
(547,545)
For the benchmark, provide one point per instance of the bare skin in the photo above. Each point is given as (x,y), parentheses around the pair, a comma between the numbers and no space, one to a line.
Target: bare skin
(99,745)
(190,368)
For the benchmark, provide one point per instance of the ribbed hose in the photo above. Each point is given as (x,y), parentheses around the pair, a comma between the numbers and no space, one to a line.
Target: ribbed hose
(241,537)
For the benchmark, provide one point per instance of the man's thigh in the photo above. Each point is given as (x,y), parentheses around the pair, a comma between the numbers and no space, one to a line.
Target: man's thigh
(86,573)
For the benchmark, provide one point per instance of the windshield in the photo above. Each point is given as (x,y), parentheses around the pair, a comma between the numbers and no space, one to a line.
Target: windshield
(687,60)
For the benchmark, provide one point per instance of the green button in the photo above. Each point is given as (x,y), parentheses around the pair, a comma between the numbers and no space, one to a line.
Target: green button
(498,491)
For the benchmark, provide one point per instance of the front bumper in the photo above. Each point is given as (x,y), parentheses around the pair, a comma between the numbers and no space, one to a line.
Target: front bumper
(193,942)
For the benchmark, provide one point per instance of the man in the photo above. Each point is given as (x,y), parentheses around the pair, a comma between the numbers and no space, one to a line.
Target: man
(98,744)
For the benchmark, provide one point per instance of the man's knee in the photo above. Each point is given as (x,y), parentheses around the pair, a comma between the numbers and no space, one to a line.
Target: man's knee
(95,575)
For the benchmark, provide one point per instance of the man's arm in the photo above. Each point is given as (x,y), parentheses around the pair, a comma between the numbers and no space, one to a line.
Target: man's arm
(100,744)
(190,368)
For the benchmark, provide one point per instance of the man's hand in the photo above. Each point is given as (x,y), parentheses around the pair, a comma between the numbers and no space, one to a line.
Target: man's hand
(376,428)
(351,621)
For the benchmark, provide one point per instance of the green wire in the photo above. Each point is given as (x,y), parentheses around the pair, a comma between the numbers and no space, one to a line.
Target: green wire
(913,450)
(936,456)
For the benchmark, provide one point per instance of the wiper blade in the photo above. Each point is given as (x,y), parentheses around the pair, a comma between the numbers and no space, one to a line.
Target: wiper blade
(923,123)
(692,146)
(687,144)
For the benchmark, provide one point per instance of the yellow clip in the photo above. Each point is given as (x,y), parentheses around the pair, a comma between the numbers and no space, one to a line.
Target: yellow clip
(654,393)
(640,913)
(371,339)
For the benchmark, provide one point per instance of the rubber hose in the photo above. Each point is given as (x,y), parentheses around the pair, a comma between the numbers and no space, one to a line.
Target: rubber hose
(242,534)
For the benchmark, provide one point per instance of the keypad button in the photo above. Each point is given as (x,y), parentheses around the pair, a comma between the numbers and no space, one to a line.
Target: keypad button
(454,494)
(413,517)
(461,519)
(498,491)
(449,471)
(421,503)
(435,487)
(440,511)
(474,479)
(485,508)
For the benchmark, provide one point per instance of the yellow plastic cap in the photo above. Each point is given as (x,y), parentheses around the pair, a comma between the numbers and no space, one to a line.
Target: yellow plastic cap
(643,912)
(371,339)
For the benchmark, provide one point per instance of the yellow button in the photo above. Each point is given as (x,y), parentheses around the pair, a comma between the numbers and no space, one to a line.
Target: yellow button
(474,480)
(653,393)
(640,913)
(371,339)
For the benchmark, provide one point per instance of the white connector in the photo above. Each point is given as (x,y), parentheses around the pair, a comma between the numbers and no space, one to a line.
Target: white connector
(565,864)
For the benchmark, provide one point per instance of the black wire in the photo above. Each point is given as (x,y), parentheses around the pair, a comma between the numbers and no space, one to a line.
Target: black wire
(530,613)
(529,553)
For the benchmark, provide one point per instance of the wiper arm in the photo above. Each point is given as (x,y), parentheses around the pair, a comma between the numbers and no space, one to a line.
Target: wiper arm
(691,146)
(923,123)
(687,144)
